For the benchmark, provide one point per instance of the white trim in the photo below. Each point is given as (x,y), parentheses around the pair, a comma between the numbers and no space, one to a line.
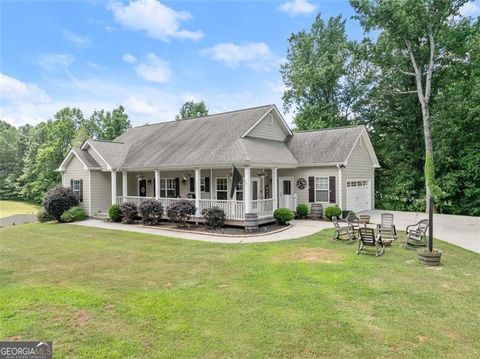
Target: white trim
(98,153)
(340,189)
(279,115)
(368,143)
(90,193)
(216,188)
(67,159)
(369,187)
(328,189)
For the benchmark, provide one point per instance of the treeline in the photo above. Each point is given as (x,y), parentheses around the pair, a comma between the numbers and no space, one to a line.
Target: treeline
(30,155)
(332,81)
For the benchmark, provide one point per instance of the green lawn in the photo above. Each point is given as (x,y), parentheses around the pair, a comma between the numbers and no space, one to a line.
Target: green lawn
(9,208)
(98,293)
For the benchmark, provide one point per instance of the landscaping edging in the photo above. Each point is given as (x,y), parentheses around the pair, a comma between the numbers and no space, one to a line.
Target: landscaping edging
(246,235)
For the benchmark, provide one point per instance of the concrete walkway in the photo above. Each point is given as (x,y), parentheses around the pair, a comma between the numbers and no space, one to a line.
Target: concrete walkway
(463,231)
(297,230)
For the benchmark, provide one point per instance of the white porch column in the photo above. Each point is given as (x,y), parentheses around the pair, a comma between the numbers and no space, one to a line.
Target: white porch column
(114,187)
(247,190)
(157,185)
(275,188)
(198,194)
(124,184)
(340,187)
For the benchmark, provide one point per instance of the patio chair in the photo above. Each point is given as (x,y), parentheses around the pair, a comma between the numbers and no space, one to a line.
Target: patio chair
(341,231)
(355,222)
(368,238)
(416,234)
(386,230)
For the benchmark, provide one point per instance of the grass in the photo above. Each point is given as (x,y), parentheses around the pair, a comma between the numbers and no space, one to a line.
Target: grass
(100,293)
(9,208)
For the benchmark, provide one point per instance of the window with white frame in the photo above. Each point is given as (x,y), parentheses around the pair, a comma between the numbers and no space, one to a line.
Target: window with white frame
(221,188)
(239,191)
(321,189)
(167,187)
(76,187)
(202,184)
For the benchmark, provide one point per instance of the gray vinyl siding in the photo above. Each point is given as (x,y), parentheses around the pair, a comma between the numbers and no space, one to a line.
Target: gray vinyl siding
(305,172)
(359,166)
(76,171)
(101,195)
(267,130)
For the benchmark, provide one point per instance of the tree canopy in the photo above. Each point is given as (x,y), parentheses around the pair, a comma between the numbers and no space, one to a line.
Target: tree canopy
(192,109)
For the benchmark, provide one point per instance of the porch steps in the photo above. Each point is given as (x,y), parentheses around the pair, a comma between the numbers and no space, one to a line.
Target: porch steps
(102,215)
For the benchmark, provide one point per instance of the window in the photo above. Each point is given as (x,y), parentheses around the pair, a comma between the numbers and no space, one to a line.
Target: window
(321,189)
(76,187)
(222,189)
(167,187)
(287,187)
(239,191)
(202,184)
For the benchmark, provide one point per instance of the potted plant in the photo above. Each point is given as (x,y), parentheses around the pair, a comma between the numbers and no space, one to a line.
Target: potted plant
(430,256)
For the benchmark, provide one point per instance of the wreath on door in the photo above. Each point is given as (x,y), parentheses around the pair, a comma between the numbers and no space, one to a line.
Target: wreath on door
(301,183)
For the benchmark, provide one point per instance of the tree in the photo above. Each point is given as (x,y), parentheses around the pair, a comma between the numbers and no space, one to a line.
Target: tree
(410,28)
(114,124)
(192,109)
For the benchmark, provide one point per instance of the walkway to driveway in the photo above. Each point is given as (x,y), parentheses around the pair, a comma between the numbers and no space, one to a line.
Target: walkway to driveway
(297,230)
(462,231)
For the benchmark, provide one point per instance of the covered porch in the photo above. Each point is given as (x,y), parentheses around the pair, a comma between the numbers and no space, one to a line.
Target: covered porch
(256,193)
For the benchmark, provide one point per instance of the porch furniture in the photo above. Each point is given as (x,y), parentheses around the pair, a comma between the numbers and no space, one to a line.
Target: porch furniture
(386,230)
(417,234)
(342,230)
(355,222)
(368,238)
(365,218)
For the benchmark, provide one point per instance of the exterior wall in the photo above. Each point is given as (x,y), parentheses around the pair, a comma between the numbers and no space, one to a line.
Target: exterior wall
(75,170)
(359,166)
(97,158)
(305,172)
(267,130)
(101,194)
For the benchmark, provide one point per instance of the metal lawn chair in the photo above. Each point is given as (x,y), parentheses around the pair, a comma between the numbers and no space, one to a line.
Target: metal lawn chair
(417,234)
(342,230)
(368,238)
(386,230)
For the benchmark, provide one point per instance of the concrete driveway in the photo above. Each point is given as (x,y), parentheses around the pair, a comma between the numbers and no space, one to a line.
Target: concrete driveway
(462,231)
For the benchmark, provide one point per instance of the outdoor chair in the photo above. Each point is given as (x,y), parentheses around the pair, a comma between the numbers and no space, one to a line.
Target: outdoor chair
(368,238)
(416,234)
(355,222)
(386,230)
(342,230)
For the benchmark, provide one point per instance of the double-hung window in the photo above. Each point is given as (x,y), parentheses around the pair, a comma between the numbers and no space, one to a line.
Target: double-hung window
(167,187)
(76,187)
(239,191)
(321,189)
(202,184)
(221,188)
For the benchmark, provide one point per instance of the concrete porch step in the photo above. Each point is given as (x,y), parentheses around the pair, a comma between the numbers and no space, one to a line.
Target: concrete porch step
(103,215)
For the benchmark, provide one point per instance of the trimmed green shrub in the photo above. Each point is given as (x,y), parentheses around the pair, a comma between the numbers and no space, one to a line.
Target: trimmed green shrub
(129,212)
(43,216)
(302,211)
(351,215)
(115,213)
(181,211)
(214,217)
(283,216)
(73,214)
(58,200)
(332,211)
(151,211)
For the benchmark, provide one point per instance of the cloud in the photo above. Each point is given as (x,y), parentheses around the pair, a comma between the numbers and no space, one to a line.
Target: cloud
(154,69)
(77,39)
(470,9)
(12,89)
(94,65)
(129,58)
(256,55)
(297,7)
(155,19)
(55,62)
(139,106)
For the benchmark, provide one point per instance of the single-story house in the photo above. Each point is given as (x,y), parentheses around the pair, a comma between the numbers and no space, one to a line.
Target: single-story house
(194,159)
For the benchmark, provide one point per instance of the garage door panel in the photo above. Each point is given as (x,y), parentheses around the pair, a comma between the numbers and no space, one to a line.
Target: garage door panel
(358,195)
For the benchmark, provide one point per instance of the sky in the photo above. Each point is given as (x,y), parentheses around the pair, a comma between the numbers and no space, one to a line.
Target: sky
(150,56)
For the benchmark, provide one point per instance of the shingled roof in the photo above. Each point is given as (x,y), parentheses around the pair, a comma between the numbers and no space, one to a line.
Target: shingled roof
(218,140)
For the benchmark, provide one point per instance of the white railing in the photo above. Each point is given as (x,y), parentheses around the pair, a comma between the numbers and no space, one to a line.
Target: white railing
(135,199)
(232,209)
(263,207)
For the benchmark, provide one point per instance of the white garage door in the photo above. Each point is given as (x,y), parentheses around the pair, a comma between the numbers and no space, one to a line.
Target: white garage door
(358,195)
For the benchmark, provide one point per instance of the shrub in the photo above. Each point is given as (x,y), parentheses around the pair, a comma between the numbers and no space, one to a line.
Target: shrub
(58,200)
(115,213)
(332,211)
(129,212)
(151,211)
(302,211)
(283,215)
(351,215)
(180,211)
(43,216)
(214,217)
(73,214)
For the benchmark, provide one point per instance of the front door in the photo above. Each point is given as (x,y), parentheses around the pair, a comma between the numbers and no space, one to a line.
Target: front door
(285,192)
(142,187)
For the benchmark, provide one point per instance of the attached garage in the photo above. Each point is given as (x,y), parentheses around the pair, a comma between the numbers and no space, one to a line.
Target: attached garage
(358,195)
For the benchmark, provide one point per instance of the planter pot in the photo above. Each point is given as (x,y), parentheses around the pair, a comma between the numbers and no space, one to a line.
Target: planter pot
(429,259)
(316,211)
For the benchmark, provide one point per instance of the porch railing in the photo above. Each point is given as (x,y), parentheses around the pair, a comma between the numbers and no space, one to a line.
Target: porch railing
(234,210)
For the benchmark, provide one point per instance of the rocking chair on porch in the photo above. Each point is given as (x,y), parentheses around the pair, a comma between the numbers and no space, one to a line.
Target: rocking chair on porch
(341,231)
